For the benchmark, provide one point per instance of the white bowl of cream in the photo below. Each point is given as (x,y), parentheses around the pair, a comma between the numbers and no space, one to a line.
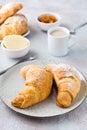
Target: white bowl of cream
(15,46)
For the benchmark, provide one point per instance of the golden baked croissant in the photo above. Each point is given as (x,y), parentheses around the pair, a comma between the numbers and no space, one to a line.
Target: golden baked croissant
(67,81)
(17,24)
(37,88)
(24,70)
(9,10)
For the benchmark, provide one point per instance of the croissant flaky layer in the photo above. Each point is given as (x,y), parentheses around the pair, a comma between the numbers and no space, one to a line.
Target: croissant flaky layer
(17,24)
(9,10)
(67,81)
(37,88)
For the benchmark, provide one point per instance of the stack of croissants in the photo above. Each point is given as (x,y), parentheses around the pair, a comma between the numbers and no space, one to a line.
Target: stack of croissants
(39,82)
(12,22)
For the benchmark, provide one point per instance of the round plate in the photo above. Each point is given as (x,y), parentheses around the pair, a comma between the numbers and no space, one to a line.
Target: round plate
(12,83)
(27,33)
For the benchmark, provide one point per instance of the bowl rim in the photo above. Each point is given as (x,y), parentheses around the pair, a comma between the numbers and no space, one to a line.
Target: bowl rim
(15,50)
(57,15)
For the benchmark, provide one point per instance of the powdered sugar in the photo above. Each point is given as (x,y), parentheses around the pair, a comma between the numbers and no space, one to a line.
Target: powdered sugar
(68,68)
(17,18)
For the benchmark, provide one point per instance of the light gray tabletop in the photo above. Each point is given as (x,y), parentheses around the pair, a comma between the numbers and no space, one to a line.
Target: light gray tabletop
(73,13)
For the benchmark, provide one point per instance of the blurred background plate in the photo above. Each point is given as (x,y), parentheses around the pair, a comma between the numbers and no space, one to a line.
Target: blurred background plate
(25,34)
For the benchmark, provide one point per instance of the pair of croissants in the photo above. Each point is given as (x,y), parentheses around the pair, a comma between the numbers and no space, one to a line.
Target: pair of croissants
(12,22)
(38,85)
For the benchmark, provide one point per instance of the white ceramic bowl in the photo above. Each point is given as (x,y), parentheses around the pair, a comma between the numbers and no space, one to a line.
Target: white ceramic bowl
(46,26)
(12,53)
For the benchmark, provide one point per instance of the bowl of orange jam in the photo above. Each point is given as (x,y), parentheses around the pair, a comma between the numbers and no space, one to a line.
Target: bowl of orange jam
(47,20)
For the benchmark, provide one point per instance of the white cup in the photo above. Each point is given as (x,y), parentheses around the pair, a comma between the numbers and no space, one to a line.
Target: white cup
(58,45)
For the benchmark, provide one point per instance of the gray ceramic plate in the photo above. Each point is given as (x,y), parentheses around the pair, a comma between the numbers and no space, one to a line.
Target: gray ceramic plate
(12,82)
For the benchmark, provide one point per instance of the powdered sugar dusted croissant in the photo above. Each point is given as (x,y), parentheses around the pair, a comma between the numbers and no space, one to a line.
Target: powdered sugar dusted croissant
(37,88)
(67,81)
(17,24)
(9,10)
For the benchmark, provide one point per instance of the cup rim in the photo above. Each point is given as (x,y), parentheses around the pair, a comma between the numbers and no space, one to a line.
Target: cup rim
(56,28)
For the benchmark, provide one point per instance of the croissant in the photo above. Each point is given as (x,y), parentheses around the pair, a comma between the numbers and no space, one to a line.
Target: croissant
(24,70)
(17,24)
(37,88)
(67,81)
(9,10)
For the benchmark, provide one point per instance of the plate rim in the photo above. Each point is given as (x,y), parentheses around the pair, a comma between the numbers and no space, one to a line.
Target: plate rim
(27,33)
(24,35)
(39,116)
